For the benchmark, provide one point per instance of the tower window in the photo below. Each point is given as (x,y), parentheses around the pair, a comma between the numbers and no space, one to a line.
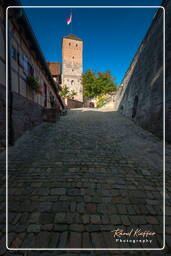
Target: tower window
(69,44)
(73,57)
(72,70)
(72,82)
(76,45)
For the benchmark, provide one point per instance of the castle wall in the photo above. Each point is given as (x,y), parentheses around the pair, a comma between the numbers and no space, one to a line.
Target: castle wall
(141,95)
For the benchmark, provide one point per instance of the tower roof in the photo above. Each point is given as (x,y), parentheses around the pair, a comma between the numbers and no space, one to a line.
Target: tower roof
(71,36)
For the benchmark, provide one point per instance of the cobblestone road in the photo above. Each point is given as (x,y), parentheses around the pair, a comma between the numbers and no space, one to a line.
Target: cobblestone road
(73,182)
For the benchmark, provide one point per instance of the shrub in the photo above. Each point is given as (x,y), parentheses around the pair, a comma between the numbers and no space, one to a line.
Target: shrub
(33,83)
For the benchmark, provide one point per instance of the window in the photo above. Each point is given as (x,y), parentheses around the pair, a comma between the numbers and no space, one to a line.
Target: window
(25,63)
(76,45)
(72,70)
(30,70)
(69,44)
(13,53)
(20,60)
(73,57)
(72,82)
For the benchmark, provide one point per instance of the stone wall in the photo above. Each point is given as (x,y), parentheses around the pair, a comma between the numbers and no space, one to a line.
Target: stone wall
(140,97)
(25,117)
(72,103)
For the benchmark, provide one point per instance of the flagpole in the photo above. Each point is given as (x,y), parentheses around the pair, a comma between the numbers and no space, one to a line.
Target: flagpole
(71,21)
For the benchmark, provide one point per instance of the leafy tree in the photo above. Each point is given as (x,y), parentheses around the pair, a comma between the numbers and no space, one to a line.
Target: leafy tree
(72,94)
(64,92)
(98,83)
(101,100)
(89,85)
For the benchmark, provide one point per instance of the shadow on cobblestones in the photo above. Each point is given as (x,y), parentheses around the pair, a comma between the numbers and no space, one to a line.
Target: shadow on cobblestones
(73,182)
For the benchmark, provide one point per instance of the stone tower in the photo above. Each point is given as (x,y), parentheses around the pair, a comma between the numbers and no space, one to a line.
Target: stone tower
(72,48)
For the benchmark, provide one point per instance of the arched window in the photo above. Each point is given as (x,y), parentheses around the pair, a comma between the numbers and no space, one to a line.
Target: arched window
(73,57)
(72,82)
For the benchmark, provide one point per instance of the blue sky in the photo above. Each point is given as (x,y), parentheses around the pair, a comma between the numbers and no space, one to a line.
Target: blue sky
(111,36)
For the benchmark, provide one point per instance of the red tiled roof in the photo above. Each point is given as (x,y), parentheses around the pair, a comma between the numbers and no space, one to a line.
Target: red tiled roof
(55,68)
(71,36)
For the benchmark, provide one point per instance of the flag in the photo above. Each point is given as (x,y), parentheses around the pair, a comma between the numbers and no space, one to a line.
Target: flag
(69,20)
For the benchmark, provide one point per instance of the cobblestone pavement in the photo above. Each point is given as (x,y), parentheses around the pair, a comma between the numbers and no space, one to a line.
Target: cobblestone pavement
(73,182)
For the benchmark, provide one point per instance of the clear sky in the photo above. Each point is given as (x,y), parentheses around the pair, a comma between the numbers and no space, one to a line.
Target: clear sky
(111,36)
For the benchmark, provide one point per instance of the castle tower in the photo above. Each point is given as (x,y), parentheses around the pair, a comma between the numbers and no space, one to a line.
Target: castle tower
(72,67)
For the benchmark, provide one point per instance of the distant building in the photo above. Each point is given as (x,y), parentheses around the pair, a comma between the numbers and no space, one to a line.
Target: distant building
(26,65)
(55,69)
(72,65)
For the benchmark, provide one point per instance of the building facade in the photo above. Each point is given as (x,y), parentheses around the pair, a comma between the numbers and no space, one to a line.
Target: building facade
(26,68)
(72,65)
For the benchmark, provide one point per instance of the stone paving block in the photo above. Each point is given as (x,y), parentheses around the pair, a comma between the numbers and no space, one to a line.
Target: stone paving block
(34,218)
(46,227)
(86,242)
(77,227)
(92,227)
(11,237)
(75,240)
(74,192)
(18,228)
(139,220)
(46,218)
(15,220)
(60,218)
(91,208)
(85,219)
(45,206)
(125,220)
(105,219)
(18,241)
(58,191)
(54,239)
(42,239)
(29,241)
(152,220)
(95,219)
(109,241)
(33,228)
(73,206)
(43,191)
(80,207)
(115,219)
(63,240)
(97,240)
(60,227)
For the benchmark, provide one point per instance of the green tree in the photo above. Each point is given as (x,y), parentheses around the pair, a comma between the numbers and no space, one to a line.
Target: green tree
(64,92)
(98,83)
(72,94)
